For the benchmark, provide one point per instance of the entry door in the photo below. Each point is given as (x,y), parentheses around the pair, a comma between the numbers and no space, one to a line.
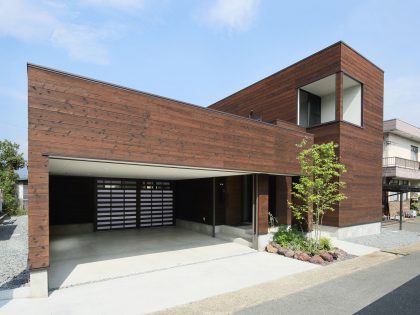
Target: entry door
(156,203)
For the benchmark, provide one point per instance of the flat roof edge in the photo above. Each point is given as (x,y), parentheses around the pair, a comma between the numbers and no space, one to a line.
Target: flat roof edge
(299,61)
(64,73)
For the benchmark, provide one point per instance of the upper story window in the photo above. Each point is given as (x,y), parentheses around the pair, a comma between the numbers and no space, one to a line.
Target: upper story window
(316,102)
(414,153)
(352,101)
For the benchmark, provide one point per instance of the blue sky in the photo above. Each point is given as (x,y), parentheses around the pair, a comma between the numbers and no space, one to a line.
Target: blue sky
(200,51)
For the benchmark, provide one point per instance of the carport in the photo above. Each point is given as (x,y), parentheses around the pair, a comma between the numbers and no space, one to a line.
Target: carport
(105,161)
(110,219)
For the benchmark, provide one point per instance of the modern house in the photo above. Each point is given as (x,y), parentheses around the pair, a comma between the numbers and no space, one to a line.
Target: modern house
(401,163)
(105,157)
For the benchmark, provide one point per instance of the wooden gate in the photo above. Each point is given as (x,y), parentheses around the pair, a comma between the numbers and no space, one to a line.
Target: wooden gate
(124,203)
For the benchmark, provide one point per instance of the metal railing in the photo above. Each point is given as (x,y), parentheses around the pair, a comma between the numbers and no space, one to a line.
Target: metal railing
(400,162)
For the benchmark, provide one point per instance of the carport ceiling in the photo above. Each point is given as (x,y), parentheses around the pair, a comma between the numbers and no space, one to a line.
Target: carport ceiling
(94,168)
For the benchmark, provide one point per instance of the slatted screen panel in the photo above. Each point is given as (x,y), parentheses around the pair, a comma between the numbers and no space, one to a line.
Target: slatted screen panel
(116,202)
(156,203)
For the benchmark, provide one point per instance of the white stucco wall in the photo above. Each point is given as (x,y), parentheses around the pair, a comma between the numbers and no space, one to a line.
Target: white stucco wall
(352,105)
(399,147)
(328,107)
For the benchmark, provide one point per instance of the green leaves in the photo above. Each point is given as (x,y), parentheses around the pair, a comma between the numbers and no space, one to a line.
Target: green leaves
(319,187)
(10,160)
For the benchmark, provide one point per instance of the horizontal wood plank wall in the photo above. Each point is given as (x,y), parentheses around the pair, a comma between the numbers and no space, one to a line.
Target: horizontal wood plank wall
(71,116)
(262,204)
(275,97)
(283,197)
(323,134)
(233,204)
(361,148)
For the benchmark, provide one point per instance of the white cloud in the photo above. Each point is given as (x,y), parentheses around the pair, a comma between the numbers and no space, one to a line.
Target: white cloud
(81,42)
(401,99)
(123,5)
(25,21)
(234,15)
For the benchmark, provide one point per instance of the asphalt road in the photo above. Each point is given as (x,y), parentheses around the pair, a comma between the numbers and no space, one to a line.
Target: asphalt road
(389,288)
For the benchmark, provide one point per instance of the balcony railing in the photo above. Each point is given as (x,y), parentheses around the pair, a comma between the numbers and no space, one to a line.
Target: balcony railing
(400,162)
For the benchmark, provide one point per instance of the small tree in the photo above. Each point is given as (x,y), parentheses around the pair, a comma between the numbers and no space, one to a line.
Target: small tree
(10,161)
(318,189)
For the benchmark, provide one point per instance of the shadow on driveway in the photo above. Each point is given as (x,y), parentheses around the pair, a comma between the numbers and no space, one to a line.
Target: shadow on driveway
(402,300)
(7,229)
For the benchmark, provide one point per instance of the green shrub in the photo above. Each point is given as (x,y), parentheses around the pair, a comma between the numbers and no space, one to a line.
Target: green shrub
(17,211)
(311,247)
(289,238)
(325,243)
(292,238)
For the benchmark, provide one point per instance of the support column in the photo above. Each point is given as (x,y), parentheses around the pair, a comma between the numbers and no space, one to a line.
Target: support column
(214,208)
(283,197)
(262,192)
(260,218)
(339,96)
(38,223)
(401,209)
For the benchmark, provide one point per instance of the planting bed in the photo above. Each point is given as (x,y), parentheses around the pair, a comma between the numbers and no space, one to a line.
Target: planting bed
(324,257)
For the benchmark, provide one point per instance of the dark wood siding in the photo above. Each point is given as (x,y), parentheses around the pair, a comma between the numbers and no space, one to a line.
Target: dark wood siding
(275,97)
(77,117)
(360,149)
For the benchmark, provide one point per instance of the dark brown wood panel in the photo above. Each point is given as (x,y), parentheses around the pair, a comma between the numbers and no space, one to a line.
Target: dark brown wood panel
(275,97)
(263,196)
(283,186)
(76,117)
(233,204)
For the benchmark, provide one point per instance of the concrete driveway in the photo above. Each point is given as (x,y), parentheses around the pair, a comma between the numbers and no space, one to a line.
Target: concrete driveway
(91,257)
(162,280)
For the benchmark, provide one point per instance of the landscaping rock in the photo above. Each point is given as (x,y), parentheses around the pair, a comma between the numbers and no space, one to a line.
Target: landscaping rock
(271,249)
(289,253)
(316,260)
(282,250)
(297,254)
(326,256)
(338,254)
(304,257)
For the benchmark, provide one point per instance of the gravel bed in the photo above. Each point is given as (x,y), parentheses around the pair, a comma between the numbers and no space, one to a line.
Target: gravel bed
(387,239)
(14,252)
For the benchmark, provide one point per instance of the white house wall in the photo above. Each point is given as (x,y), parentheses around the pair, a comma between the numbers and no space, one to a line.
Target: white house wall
(352,106)
(328,107)
(399,146)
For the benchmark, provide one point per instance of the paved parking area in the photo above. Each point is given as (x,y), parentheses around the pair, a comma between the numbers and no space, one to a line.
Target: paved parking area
(391,237)
(14,252)
(234,268)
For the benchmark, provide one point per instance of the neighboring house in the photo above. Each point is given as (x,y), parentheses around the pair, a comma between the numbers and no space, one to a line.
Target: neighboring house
(22,193)
(106,157)
(401,162)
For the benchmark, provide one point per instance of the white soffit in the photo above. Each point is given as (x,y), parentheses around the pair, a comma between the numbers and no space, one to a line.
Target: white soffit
(93,168)
(326,85)
(321,87)
(349,82)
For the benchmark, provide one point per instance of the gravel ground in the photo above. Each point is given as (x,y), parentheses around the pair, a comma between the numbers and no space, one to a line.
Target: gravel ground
(14,252)
(389,238)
